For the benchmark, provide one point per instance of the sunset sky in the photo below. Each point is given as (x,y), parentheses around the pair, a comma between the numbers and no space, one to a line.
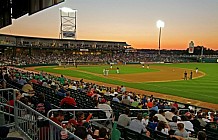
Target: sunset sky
(132,21)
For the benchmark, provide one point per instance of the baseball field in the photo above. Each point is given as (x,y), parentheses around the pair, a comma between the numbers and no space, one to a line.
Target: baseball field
(166,79)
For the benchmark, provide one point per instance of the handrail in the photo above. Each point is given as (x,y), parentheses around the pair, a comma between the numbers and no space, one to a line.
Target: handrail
(6,89)
(39,114)
(74,110)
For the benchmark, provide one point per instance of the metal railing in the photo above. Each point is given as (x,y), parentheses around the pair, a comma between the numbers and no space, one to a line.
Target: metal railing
(35,126)
(6,111)
(83,110)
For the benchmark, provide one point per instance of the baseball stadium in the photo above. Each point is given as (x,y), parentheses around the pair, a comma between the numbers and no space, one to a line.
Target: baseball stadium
(98,89)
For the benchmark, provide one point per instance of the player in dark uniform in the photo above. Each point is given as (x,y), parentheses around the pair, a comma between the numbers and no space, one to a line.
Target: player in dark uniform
(185,75)
(190,75)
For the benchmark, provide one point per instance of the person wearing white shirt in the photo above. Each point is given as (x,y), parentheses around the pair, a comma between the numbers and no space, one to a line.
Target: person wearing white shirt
(161,116)
(145,119)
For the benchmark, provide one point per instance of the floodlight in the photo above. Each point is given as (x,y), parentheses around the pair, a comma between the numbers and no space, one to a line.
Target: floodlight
(160,24)
(67,10)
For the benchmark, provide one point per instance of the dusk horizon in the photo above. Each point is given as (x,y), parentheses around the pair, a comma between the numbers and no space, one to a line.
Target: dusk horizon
(129,21)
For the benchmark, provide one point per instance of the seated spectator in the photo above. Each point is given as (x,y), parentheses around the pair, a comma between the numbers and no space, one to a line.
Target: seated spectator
(28,89)
(173,124)
(135,103)
(175,105)
(161,105)
(136,125)
(102,134)
(124,119)
(153,122)
(60,93)
(163,127)
(21,81)
(169,114)
(161,116)
(42,106)
(68,100)
(79,120)
(201,135)
(202,119)
(188,125)
(105,106)
(33,80)
(181,131)
(115,98)
(126,100)
(145,119)
(150,103)
(58,117)
(81,132)
(62,89)
(154,108)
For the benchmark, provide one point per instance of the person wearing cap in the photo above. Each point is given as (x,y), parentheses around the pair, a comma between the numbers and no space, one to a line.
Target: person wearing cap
(145,119)
(28,89)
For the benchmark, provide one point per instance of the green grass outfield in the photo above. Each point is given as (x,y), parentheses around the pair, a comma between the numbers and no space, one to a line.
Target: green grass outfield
(203,89)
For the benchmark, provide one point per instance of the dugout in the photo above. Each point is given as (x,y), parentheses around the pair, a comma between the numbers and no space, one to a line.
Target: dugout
(210,60)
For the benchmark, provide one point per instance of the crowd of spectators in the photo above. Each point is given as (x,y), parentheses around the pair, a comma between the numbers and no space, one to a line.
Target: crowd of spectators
(24,58)
(169,122)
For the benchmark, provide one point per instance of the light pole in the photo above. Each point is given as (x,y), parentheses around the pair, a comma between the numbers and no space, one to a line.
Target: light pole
(68,23)
(160,24)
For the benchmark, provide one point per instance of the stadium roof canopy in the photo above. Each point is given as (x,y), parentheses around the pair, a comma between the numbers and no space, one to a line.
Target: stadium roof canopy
(26,41)
(16,8)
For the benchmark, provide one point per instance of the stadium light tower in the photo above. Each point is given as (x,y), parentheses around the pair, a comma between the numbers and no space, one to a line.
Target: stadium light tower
(68,23)
(160,24)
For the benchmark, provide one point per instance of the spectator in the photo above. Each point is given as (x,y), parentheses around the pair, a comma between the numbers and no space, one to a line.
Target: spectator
(136,125)
(202,119)
(102,134)
(173,124)
(124,119)
(115,99)
(163,127)
(28,89)
(68,100)
(161,116)
(58,117)
(169,114)
(181,131)
(188,125)
(145,119)
(43,106)
(126,100)
(79,120)
(153,122)
(81,132)
(202,135)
